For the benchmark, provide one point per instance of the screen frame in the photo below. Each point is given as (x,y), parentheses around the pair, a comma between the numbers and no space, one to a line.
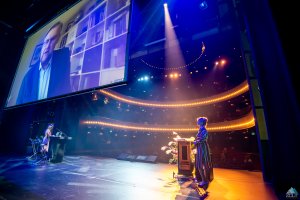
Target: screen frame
(14,88)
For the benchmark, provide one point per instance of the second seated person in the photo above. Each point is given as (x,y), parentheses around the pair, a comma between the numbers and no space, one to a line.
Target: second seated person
(51,76)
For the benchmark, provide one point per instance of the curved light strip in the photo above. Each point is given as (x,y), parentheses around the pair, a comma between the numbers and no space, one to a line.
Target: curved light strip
(179,67)
(233,125)
(242,88)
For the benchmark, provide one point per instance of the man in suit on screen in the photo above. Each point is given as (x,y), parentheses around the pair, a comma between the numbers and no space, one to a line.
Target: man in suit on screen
(51,75)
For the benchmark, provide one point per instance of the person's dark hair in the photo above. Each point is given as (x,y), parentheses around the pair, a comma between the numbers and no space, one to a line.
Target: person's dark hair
(202,120)
(57,24)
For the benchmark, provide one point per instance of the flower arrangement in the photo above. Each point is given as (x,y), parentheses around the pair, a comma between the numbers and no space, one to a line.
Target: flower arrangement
(172,149)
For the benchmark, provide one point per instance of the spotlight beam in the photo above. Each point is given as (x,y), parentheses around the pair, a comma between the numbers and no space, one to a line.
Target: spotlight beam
(173,52)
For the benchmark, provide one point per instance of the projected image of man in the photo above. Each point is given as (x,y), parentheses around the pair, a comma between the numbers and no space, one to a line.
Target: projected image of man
(51,76)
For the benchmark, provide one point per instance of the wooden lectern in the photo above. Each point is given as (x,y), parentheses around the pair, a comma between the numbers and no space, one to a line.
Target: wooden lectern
(185,164)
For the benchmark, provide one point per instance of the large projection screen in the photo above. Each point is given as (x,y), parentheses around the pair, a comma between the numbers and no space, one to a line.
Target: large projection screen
(83,48)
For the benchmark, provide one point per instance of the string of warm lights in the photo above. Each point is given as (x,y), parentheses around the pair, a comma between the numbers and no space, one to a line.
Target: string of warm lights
(240,124)
(179,67)
(242,88)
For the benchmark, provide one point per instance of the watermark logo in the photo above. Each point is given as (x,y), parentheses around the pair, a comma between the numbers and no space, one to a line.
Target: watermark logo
(291,193)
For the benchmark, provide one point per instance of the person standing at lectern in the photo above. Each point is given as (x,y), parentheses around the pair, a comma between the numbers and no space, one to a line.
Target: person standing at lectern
(203,163)
(51,75)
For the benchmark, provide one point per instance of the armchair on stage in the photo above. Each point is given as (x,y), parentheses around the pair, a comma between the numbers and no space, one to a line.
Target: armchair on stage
(185,162)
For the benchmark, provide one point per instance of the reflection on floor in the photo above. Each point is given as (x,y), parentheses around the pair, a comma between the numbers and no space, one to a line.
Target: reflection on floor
(94,178)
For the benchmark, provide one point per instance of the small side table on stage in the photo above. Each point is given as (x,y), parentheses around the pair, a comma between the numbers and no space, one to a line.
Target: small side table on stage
(185,164)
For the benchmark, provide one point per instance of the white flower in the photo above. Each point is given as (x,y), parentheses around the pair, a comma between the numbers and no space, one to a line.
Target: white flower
(194,151)
(164,148)
(168,151)
(171,143)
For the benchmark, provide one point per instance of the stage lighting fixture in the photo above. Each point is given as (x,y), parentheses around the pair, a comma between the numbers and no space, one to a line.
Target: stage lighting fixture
(145,78)
(106,101)
(94,96)
(203,5)
(165,5)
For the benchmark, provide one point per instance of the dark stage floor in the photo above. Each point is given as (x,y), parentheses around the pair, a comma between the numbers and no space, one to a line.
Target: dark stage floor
(99,178)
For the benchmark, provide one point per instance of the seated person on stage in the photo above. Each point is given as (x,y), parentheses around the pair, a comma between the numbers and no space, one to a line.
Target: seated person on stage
(46,140)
